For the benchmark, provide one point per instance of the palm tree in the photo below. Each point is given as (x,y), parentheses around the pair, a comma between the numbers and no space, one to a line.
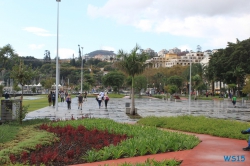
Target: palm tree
(239,73)
(132,64)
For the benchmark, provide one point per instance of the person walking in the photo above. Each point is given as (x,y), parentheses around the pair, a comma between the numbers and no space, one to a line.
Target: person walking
(85,96)
(49,98)
(80,100)
(68,100)
(53,97)
(66,94)
(106,99)
(247,131)
(102,95)
(234,101)
(6,95)
(62,95)
(99,100)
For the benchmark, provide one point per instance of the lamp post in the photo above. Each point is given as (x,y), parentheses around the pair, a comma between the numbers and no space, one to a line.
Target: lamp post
(57,73)
(81,64)
(190,87)
(82,70)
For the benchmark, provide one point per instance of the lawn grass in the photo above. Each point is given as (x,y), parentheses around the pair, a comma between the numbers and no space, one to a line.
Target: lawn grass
(36,104)
(9,130)
(111,95)
(199,124)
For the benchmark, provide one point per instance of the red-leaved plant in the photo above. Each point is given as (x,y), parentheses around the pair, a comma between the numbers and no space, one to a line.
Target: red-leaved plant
(72,145)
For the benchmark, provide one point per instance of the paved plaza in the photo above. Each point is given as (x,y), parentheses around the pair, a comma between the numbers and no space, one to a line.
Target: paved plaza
(146,107)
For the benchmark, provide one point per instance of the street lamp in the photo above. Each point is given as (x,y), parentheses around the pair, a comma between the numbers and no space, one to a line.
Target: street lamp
(57,73)
(82,70)
(189,87)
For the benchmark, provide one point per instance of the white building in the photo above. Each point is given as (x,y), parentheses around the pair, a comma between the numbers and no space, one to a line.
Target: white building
(171,59)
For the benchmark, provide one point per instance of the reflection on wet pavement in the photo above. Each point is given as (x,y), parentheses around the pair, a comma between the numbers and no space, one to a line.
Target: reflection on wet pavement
(146,107)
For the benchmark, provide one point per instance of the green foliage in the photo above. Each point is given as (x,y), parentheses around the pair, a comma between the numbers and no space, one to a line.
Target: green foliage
(175,80)
(7,57)
(230,65)
(88,78)
(114,79)
(22,74)
(49,82)
(103,64)
(144,140)
(109,68)
(199,124)
(152,162)
(140,83)
(158,96)
(171,89)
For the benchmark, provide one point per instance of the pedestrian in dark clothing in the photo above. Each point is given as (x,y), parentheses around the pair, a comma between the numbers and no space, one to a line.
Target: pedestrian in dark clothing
(53,97)
(49,98)
(80,100)
(247,132)
(68,100)
(106,99)
(6,95)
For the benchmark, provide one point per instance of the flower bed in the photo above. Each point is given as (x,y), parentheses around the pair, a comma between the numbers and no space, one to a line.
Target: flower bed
(72,145)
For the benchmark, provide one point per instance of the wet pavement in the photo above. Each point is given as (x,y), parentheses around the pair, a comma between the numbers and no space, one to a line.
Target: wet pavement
(146,107)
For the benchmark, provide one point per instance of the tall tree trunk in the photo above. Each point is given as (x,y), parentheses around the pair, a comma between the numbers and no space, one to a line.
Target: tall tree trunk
(132,110)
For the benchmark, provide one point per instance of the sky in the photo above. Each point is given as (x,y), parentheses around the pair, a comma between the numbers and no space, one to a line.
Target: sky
(30,26)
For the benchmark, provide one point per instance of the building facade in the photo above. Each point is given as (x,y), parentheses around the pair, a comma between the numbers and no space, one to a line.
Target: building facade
(172,59)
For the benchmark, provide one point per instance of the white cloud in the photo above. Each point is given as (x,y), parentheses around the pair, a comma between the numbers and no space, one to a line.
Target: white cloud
(144,25)
(36,46)
(65,53)
(216,21)
(38,31)
(108,48)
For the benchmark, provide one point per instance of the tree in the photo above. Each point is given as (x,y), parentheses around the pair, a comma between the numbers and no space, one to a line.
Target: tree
(7,57)
(88,78)
(132,64)
(176,80)
(16,88)
(47,58)
(140,83)
(171,89)
(23,75)
(30,60)
(48,83)
(113,79)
